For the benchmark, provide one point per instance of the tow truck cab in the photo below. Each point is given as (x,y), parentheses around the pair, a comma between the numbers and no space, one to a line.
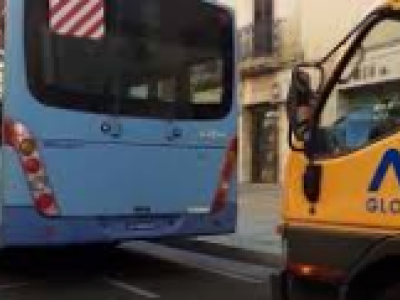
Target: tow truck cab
(341,203)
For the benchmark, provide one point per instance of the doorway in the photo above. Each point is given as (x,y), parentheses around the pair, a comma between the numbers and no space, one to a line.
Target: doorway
(265,144)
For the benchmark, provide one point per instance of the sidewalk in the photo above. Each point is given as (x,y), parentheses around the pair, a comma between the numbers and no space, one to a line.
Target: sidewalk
(258,216)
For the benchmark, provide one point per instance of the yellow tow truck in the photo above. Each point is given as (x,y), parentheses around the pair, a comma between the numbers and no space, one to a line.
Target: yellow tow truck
(341,196)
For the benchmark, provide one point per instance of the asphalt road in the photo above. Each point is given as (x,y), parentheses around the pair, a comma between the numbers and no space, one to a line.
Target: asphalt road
(137,271)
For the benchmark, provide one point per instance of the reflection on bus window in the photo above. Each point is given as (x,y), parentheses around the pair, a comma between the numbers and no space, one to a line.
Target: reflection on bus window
(204,81)
(154,61)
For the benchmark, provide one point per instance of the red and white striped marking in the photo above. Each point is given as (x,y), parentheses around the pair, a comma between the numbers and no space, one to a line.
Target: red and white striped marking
(77,18)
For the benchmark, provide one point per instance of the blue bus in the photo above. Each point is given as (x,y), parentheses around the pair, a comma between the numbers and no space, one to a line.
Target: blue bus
(118,121)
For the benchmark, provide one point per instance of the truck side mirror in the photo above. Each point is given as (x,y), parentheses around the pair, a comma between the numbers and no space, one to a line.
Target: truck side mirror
(300,103)
(312,179)
(300,106)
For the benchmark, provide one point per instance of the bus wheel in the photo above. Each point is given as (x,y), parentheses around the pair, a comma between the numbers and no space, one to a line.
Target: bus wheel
(99,247)
(106,246)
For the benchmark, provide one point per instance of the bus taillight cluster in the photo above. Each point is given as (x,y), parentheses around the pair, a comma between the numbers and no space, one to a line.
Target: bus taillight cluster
(228,168)
(19,138)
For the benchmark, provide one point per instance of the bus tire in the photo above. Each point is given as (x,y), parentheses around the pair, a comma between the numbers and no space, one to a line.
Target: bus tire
(106,246)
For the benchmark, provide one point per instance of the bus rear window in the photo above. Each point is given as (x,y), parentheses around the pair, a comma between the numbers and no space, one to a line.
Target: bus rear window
(151,58)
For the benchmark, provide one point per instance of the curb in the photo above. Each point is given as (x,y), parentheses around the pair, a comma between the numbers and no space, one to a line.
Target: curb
(224,251)
(243,188)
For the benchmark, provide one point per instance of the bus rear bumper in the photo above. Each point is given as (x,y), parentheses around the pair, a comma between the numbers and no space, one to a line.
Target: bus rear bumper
(23,226)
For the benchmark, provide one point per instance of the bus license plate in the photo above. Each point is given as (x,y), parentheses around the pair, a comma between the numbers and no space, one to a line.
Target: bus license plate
(140,225)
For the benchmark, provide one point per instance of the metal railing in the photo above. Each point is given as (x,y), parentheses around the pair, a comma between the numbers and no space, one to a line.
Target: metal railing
(256,40)
(258,49)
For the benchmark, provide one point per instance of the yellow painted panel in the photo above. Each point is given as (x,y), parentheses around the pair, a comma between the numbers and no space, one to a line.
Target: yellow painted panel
(395,4)
(345,196)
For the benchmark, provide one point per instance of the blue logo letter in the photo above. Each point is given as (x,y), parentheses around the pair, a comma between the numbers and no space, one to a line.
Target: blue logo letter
(391,158)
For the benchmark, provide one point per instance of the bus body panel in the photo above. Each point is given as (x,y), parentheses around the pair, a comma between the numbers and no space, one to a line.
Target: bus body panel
(16,192)
(26,228)
(125,179)
(108,176)
(95,174)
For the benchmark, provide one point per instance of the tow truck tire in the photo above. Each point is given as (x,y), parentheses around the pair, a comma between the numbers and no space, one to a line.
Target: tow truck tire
(391,293)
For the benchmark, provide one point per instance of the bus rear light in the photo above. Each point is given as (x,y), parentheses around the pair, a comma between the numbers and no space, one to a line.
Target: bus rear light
(219,201)
(8,132)
(38,185)
(27,147)
(14,133)
(230,163)
(20,139)
(32,165)
(45,203)
(228,168)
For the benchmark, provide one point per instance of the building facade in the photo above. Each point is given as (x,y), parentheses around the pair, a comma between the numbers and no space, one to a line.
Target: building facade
(299,33)
(269,46)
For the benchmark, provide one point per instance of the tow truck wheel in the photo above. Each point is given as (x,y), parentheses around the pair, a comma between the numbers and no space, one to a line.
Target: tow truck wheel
(391,293)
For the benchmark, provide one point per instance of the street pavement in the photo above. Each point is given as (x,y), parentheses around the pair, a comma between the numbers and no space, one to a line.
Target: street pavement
(235,267)
(258,216)
(136,271)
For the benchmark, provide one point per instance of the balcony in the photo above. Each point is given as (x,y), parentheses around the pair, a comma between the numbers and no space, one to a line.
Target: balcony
(258,45)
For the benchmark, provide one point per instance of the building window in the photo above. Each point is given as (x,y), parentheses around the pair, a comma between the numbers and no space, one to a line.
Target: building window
(263,27)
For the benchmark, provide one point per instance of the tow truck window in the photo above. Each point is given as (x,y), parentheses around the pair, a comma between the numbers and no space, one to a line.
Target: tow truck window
(368,102)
